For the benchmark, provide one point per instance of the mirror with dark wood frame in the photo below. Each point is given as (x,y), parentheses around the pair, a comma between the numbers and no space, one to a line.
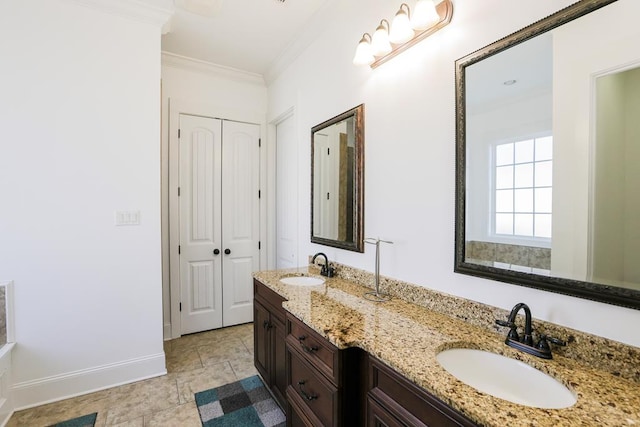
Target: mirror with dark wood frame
(547,153)
(337,181)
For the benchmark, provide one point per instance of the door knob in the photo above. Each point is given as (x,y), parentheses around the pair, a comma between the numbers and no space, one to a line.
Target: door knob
(227,251)
(216,251)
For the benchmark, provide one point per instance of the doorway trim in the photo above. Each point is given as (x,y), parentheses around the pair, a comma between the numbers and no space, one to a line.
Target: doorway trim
(175,107)
(270,220)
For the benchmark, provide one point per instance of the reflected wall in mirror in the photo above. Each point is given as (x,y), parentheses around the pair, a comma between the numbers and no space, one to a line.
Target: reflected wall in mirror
(547,153)
(337,181)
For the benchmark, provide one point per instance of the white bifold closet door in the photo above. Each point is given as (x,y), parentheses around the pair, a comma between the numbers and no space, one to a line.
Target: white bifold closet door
(219,222)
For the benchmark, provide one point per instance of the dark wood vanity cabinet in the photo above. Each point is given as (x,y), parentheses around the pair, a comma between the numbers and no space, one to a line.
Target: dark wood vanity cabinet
(269,339)
(392,401)
(321,385)
(324,383)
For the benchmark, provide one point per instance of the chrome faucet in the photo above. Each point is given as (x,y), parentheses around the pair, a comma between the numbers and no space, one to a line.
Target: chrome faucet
(377,296)
(326,269)
(541,349)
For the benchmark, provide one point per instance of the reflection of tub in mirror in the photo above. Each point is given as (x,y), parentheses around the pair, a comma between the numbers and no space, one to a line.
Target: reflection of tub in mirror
(337,181)
(547,183)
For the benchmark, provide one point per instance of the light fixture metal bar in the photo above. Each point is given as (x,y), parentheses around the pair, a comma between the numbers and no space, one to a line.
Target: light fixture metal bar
(445,11)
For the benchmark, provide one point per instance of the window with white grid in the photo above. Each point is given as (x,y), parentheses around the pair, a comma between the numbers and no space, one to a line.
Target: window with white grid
(522,188)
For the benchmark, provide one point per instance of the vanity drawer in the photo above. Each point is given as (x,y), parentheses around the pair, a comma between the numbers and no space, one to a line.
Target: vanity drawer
(317,350)
(309,391)
(408,403)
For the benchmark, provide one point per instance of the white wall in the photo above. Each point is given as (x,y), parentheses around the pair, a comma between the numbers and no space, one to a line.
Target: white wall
(410,150)
(201,88)
(80,114)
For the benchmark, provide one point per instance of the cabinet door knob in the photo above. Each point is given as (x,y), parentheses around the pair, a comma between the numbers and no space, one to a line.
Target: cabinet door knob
(304,393)
(227,251)
(216,251)
(306,348)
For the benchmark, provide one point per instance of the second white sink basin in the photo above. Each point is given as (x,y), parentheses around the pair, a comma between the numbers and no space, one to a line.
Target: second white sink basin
(302,281)
(506,378)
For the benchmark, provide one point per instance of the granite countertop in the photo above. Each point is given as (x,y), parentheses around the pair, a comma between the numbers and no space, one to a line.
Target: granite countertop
(407,337)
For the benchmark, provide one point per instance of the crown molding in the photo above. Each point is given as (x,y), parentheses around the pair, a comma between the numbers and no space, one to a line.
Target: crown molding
(191,64)
(155,12)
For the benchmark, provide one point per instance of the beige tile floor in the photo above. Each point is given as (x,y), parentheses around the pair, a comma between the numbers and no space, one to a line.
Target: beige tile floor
(194,363)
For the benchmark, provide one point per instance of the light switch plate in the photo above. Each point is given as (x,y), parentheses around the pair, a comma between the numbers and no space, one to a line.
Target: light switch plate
(127,217)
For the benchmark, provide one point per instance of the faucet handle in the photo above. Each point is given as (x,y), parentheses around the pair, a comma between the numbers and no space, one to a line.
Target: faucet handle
(543,344)
(513,333)
(505,323)
(556,341)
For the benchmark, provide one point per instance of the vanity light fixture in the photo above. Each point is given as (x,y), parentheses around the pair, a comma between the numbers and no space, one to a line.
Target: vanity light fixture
(424,15)
(380,44)
(364,53)
(405,30)
(401,30)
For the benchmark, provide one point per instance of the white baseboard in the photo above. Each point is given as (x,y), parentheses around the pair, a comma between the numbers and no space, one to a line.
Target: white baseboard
(51,389)
(167,331)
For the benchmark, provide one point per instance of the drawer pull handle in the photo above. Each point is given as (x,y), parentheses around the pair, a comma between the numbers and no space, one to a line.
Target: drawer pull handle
(304,394)
(306,348)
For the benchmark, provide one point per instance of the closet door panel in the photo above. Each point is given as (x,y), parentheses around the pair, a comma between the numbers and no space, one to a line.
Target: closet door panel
(200,223)
(240,219)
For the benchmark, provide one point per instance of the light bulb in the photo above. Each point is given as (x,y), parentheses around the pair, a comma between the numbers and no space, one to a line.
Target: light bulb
(364,54)
(425,15)
(380,40)
(401,31)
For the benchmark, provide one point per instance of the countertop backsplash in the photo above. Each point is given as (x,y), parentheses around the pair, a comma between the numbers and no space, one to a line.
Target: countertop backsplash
(597,352)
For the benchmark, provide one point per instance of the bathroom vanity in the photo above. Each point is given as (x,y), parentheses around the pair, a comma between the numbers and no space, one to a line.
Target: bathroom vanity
(343,360)
(329,386)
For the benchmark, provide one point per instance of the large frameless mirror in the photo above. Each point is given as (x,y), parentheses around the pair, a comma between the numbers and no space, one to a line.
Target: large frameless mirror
(337,181)
(547,154)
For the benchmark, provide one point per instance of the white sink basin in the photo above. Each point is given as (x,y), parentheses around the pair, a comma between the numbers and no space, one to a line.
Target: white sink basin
(302,281)
(506,378)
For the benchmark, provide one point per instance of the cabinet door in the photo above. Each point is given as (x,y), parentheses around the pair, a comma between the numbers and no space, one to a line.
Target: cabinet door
(377,416)
(261,341)
(279,349)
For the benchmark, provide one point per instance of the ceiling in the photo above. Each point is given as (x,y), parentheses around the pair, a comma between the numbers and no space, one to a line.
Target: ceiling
(248,35)
(514,73)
